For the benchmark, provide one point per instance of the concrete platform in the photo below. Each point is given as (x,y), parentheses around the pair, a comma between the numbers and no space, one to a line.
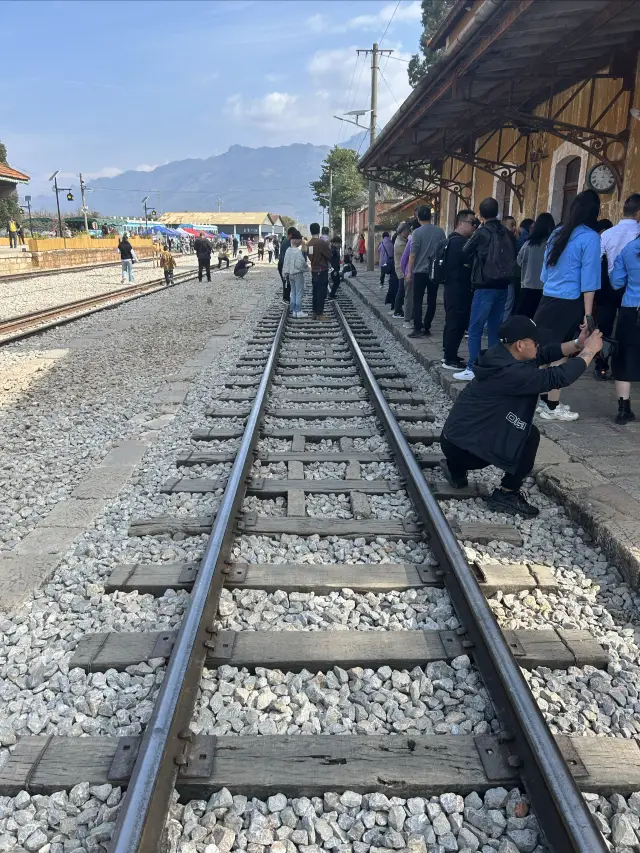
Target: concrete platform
(592,465)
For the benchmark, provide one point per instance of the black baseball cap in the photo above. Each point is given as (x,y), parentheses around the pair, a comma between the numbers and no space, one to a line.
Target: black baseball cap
(517,328)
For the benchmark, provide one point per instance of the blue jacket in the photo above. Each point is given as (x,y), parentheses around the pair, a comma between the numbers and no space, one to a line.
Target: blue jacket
(578,268)
(626,273)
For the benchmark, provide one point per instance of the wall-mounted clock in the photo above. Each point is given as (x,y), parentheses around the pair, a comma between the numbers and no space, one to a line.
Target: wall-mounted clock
(601,178)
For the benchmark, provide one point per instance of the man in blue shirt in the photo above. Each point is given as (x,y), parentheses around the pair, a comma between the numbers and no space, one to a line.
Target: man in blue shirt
(571,275)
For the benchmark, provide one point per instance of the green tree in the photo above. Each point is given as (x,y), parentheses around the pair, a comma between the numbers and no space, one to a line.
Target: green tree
(287,222)
(433,14)
(349,187)
(9,206)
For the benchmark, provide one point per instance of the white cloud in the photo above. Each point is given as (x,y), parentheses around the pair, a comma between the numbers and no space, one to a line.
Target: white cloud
(146,167)
(317,23)
(105,172)
(411,11)
(279,112)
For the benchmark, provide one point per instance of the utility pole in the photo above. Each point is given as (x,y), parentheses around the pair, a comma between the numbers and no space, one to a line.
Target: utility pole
(219,202)
(84,204)
(375,53)
(342,230)
(330,199)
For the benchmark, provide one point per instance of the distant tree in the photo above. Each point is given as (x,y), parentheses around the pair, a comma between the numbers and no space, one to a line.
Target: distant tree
(349,187)
(9,206)
(287,222)
(433,14)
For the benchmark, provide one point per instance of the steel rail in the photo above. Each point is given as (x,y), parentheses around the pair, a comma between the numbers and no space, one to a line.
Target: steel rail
(141,821)
(563,814)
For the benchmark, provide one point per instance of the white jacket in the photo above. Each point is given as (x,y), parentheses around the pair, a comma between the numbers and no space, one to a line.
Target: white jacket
(294,261)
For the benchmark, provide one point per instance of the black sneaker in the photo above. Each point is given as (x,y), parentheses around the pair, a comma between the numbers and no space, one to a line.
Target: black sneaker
(624,412)
(512,502)
(457,483)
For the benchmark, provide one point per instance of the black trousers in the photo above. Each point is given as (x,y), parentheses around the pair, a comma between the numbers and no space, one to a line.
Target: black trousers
(390,298)
(605,319)
(457,305)
(422,283)
(399,303)
(220,260)
(235,251)
(335,283)
(319,287)
(204,264)
(260,254)
(528,302)
(460,461)
(270,256)
(168,276)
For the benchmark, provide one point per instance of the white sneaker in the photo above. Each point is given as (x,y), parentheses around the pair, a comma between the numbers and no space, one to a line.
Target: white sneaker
(560,413)
(465,375)
(407,325)
(303,313)
(542,407)
(450,366)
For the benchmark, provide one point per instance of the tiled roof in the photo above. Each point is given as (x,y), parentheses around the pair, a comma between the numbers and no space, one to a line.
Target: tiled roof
(9,174)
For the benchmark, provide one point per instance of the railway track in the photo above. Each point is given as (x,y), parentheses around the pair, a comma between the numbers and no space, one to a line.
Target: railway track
(305,383)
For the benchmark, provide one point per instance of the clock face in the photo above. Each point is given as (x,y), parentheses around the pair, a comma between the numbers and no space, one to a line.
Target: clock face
(601,178)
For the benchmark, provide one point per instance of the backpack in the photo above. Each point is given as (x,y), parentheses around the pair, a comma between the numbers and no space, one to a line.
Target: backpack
(439,269)
(501,256)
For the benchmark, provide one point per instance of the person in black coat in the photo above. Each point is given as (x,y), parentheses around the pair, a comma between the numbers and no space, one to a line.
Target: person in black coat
(491,421)
(203,253)
(455,273)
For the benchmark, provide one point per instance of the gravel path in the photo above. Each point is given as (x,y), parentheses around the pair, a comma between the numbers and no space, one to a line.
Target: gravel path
(34,294)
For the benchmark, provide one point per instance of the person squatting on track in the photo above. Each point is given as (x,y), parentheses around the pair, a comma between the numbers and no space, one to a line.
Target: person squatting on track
(242,266)
(571,274)
(491,421)
(223,255)
(319,252)
(425,243)
(492,253)
(203,254)
(612,242)
(294,267)
(127,256)
(168,264)
(625,361)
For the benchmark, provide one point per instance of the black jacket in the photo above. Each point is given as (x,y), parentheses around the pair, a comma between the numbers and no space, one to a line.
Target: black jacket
(284,245)
(492,417)
(203,248)
(476,249)
(125,248)
(457,268)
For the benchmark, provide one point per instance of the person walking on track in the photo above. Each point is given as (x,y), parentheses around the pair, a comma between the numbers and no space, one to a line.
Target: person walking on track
(168,264)
(294,267)
(319,252)
(126,256)
(235,247)
(203,253)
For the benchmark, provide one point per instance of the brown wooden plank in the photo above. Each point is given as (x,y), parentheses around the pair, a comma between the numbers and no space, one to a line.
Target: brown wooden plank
(585,648)
(483,533)
(396,384)
(347,528)
(292,651)
(412,434)
(514,577)
(217,434)
(307,414)
(312,765)
(161,524)
(199,457)
(350,396)
(151,578)
(268,486)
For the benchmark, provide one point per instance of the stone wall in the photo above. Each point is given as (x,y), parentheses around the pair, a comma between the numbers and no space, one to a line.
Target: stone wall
(25,262)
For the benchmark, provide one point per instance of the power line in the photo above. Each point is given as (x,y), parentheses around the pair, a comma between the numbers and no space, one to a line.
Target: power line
(389,24)
(389,88)
(346,106)
(399,59)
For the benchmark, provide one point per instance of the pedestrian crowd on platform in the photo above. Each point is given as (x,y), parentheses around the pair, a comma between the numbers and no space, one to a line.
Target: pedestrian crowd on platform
(551,300)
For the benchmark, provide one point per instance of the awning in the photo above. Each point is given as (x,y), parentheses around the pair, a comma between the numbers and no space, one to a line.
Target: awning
(509,57)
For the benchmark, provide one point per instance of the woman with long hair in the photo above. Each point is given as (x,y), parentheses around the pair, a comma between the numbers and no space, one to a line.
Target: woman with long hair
(625,361)
(571,276)
(530,260)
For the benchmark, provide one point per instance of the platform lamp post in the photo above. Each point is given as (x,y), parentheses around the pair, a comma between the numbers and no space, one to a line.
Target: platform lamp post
(147,211)
(57,190)
(27,201)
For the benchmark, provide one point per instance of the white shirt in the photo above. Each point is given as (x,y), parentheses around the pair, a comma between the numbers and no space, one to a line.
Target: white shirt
(613,240)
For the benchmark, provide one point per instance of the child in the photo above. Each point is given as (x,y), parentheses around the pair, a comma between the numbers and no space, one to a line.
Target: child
(325,234)
(348,266)
(168,264)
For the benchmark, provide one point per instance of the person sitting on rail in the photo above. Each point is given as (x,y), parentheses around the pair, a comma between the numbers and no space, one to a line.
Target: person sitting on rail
(242,266)
(168,264)
(491,422)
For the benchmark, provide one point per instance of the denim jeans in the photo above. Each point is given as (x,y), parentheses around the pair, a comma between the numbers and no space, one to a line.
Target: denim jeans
(487,307)
(296,281)
(127,267)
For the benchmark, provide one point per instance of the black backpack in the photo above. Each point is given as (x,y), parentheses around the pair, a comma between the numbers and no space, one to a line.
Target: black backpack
(439,269)
(500,261)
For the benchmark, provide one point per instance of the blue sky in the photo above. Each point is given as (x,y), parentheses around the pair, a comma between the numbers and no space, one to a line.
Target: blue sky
(105,87)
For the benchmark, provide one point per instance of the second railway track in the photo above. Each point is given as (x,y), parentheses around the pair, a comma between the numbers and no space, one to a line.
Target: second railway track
(328,393)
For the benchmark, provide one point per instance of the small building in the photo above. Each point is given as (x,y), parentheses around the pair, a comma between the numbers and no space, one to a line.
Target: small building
(242,225)
(10,178)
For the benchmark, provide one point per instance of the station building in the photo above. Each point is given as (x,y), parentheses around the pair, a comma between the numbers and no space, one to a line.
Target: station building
(9,180)
(530,101)
(242,225)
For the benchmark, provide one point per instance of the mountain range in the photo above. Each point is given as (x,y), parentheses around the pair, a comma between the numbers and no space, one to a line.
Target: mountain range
(271,179)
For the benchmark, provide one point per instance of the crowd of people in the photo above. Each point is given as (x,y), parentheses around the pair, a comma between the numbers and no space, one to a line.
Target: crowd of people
(577,274)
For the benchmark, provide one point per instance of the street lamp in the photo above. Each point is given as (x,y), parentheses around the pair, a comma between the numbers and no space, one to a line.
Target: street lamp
(57,190)
(147,211)
(27,201)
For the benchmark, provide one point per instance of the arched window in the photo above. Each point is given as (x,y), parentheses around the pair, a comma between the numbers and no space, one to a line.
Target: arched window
(570,187)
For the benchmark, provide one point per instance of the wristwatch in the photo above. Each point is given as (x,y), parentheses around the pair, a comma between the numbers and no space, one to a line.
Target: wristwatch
(576,344)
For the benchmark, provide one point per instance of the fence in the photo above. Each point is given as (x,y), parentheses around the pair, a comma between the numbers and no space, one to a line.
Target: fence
(47,244)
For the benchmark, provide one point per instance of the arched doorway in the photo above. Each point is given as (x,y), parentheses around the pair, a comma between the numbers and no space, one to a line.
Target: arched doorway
(570,186)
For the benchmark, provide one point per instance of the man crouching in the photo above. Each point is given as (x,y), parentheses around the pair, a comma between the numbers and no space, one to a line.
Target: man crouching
(491,422)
